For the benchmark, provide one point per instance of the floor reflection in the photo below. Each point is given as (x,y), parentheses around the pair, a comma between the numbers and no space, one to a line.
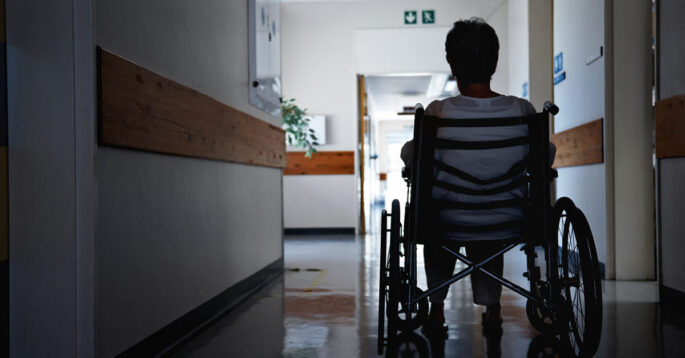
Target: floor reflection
(325,305)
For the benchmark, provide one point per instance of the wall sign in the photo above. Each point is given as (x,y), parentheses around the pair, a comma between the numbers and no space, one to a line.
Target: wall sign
(410,17)
(428,16)
(558,62)
(594,56)
(559,78)
(524,92)
(559,73)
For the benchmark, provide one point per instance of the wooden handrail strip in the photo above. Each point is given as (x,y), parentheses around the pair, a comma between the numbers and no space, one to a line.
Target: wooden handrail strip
(321,163)
(142,110)
(669,115)
(580,145)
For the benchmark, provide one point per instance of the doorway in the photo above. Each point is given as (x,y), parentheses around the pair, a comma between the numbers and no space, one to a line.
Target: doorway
(387,105)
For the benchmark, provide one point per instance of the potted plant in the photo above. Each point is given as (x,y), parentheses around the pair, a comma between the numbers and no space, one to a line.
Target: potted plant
(296,126)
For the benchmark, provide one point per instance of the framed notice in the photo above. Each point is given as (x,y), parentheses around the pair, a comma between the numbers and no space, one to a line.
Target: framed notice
(265,55)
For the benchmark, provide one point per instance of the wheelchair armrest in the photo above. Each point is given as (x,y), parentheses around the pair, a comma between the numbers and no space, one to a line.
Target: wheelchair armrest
(552,174)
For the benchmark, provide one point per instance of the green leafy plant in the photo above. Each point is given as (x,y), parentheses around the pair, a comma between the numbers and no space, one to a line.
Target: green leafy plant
(296,127)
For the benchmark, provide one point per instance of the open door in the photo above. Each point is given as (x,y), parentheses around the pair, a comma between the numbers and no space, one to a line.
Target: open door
(363,142)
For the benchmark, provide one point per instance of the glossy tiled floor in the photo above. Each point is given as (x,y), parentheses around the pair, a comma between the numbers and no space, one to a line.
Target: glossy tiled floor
(325,305)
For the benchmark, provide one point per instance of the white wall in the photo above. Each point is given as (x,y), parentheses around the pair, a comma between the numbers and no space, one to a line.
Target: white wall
(320,64)
(671,51)
(174,232)
(672,170)
(499,20)
(331,207)
(617,195)
(518,47)
(578,31)
(540,50)
(672,227)
(385,51)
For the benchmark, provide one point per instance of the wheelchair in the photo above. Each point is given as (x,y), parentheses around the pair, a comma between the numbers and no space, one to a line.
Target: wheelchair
(566,301)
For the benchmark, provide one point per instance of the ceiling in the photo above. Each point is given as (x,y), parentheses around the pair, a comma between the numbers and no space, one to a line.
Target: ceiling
(388,94)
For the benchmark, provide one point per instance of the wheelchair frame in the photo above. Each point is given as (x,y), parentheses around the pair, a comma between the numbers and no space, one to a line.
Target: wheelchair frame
(547,308)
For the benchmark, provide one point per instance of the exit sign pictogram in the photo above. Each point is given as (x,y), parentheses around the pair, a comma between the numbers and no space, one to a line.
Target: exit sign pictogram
(410,17)
(428,16)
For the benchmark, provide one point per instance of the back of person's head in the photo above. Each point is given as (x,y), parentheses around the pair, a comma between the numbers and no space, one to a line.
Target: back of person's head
(472,50)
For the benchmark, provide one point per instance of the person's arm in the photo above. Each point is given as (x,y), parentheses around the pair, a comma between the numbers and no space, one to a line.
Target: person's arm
(407,153)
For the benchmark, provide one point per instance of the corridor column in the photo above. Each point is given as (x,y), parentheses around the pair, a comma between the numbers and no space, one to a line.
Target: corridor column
(540,30)
(630,184)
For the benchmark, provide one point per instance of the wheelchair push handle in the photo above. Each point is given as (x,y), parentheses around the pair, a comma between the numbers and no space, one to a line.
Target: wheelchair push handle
(550,107)
(406,173)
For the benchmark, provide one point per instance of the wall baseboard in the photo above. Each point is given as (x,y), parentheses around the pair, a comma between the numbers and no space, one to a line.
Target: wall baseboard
(672,299)
(319,231)
(178,333)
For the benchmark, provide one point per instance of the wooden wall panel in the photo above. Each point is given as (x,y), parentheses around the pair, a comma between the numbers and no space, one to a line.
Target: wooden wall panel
(140,109)
(669,115)
(320,163)
(581,145)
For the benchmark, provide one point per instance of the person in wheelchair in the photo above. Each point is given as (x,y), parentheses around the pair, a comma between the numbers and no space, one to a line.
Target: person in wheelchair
(472,50)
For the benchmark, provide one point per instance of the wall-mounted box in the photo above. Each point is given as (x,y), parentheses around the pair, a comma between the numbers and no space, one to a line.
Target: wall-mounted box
(264,32)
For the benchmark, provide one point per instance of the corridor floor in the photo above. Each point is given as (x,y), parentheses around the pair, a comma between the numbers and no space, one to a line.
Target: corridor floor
(325,305)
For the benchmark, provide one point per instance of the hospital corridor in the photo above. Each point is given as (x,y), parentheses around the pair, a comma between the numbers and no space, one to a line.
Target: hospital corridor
(342,178)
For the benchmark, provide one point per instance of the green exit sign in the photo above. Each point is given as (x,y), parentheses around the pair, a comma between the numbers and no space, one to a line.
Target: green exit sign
(428,16)
(410,17)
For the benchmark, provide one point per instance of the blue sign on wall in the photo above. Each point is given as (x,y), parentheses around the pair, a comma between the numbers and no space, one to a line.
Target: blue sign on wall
(560,77)
(525,90)
(558,62)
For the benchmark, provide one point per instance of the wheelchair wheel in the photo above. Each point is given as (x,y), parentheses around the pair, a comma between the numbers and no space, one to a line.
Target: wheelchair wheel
(409,319)
(545,346)
(382,283)
(408,345)
(579,282)
(540,318)
(394,275)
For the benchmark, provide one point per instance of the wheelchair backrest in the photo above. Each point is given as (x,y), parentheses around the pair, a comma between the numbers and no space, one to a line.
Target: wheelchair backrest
(531,176)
